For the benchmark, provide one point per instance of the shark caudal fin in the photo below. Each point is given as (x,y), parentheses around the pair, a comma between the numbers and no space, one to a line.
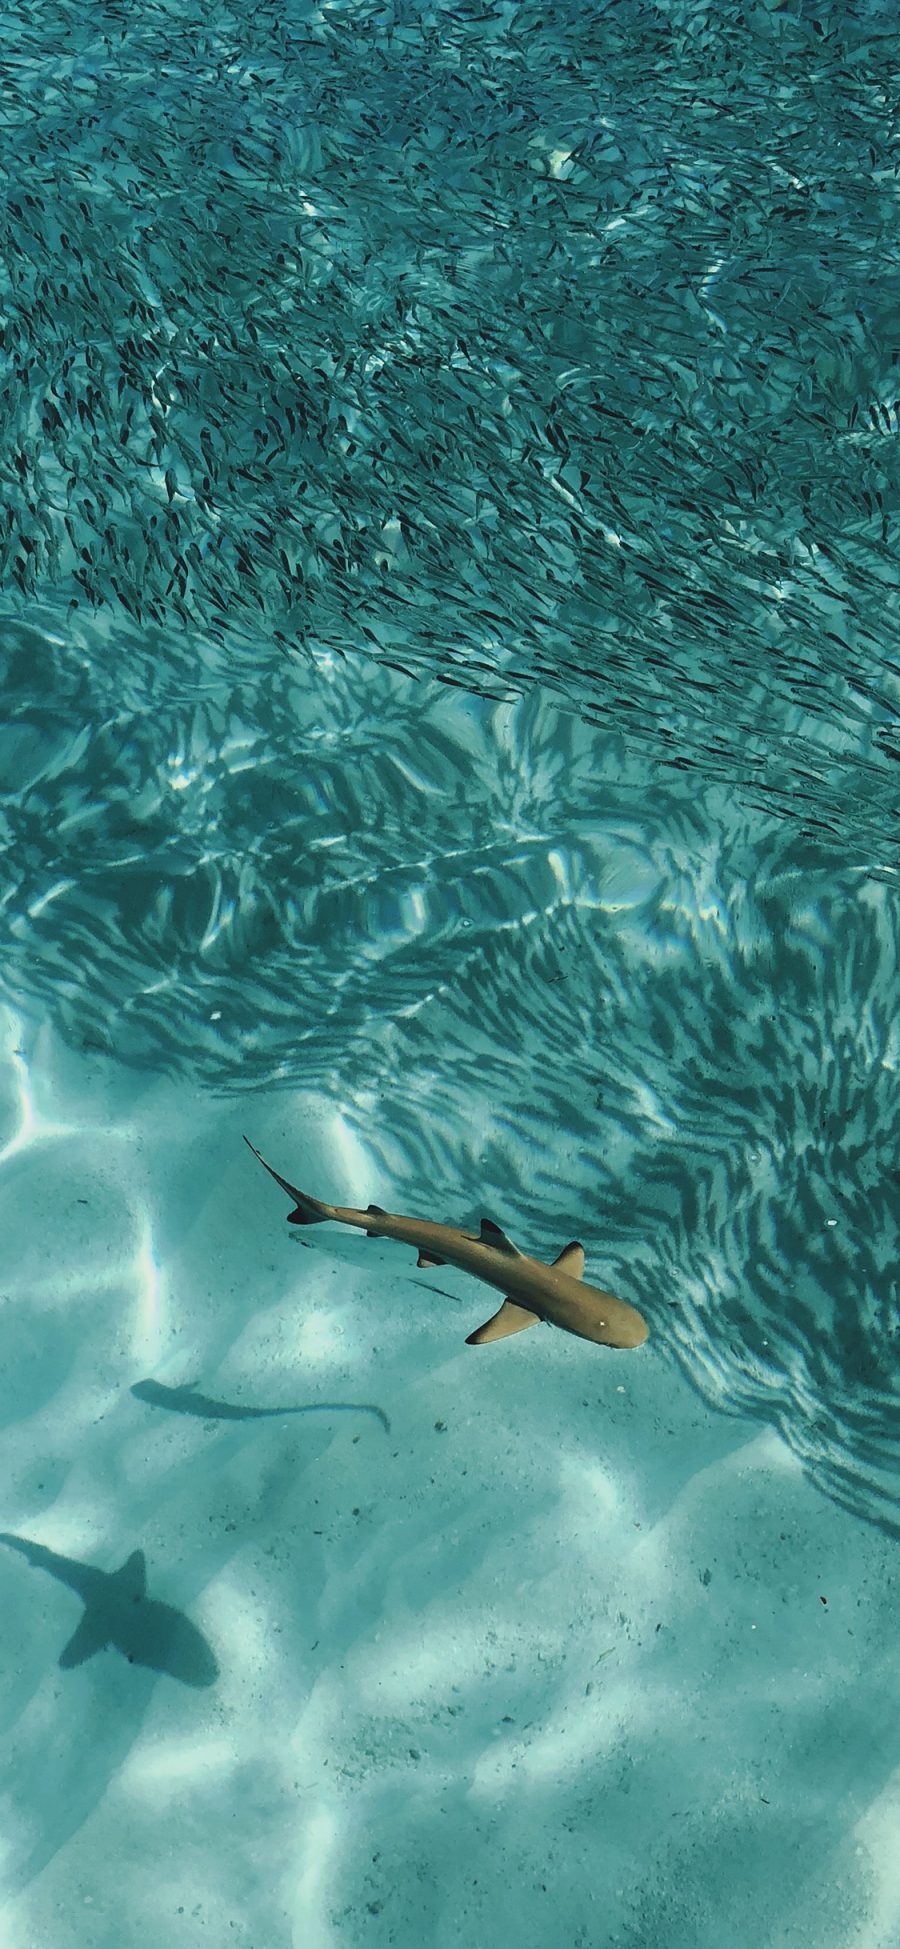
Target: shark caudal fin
(307,1211)
(511,1318)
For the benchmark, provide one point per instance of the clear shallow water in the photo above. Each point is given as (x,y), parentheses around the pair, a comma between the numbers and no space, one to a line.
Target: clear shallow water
(450,694)
(512,957)
(559,1641)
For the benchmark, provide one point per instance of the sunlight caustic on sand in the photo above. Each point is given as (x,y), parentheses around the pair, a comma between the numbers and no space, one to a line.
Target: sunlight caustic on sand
(151,1309)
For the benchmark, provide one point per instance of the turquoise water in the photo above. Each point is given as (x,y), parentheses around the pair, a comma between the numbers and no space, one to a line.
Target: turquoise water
(450,732)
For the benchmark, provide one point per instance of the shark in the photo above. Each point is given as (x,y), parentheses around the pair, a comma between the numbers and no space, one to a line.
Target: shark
(532,1290)
(119,1614)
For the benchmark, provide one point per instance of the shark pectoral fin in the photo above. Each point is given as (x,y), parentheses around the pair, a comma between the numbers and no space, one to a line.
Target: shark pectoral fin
(571,1260)
(429,1258)
(491,1234)
(377,1211)
(510,1319)
(83,1643)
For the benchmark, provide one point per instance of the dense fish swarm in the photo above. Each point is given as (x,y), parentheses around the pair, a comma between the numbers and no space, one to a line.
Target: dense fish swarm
(512,344)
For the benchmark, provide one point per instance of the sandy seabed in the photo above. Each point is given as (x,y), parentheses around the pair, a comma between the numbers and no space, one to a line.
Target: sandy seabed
(524,1642)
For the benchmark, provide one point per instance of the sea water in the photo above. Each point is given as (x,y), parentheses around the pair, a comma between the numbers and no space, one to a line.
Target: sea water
(449,733)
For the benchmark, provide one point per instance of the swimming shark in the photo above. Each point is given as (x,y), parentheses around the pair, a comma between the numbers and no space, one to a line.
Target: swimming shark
(532,1290)
(118,1613)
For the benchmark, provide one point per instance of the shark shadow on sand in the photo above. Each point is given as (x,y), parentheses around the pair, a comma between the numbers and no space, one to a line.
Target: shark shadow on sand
(119,1614)
(188,1400)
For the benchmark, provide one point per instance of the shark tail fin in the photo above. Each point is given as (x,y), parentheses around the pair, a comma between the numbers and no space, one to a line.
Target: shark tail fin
(511,1318)
(307,1211)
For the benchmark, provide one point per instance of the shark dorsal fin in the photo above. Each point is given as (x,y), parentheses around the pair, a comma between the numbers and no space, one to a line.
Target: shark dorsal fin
(491,1234)
(571,1260)
(132,1577)
(511,1318)
(376,1211)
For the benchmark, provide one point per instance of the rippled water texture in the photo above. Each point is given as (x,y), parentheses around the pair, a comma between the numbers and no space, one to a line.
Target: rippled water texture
(517,344)
(550,354)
